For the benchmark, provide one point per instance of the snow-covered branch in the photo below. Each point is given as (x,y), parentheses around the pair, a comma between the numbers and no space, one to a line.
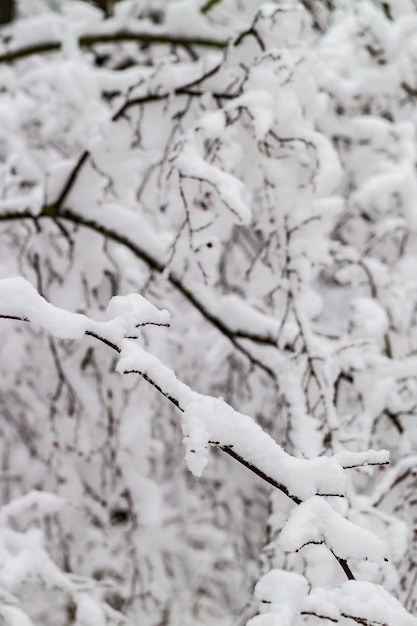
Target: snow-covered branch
(206,421)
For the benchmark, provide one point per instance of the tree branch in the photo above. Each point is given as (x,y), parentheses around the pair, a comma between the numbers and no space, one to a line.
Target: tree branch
(88,41)
(71,180)
(210,4)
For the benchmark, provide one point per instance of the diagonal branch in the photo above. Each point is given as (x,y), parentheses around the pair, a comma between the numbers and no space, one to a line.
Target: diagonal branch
(228,449)
(71,179)
(233,336)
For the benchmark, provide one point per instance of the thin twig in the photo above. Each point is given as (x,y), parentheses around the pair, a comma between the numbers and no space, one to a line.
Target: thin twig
(210,4)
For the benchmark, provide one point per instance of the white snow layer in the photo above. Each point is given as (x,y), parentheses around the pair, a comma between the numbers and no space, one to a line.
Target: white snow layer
(348,459)
(230,189)
(285,595)
(361,601)
(281,587)
(45,502)
(315,521)
(281,595)
(18,298)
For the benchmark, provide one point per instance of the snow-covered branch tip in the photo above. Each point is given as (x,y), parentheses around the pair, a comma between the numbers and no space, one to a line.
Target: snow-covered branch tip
(20,301)
(352,460)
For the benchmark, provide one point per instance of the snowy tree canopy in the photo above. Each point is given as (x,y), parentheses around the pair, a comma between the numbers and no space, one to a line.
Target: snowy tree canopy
(208,302)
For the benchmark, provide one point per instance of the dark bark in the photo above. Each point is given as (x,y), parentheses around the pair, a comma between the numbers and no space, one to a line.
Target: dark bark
(105,5)
(7,11)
